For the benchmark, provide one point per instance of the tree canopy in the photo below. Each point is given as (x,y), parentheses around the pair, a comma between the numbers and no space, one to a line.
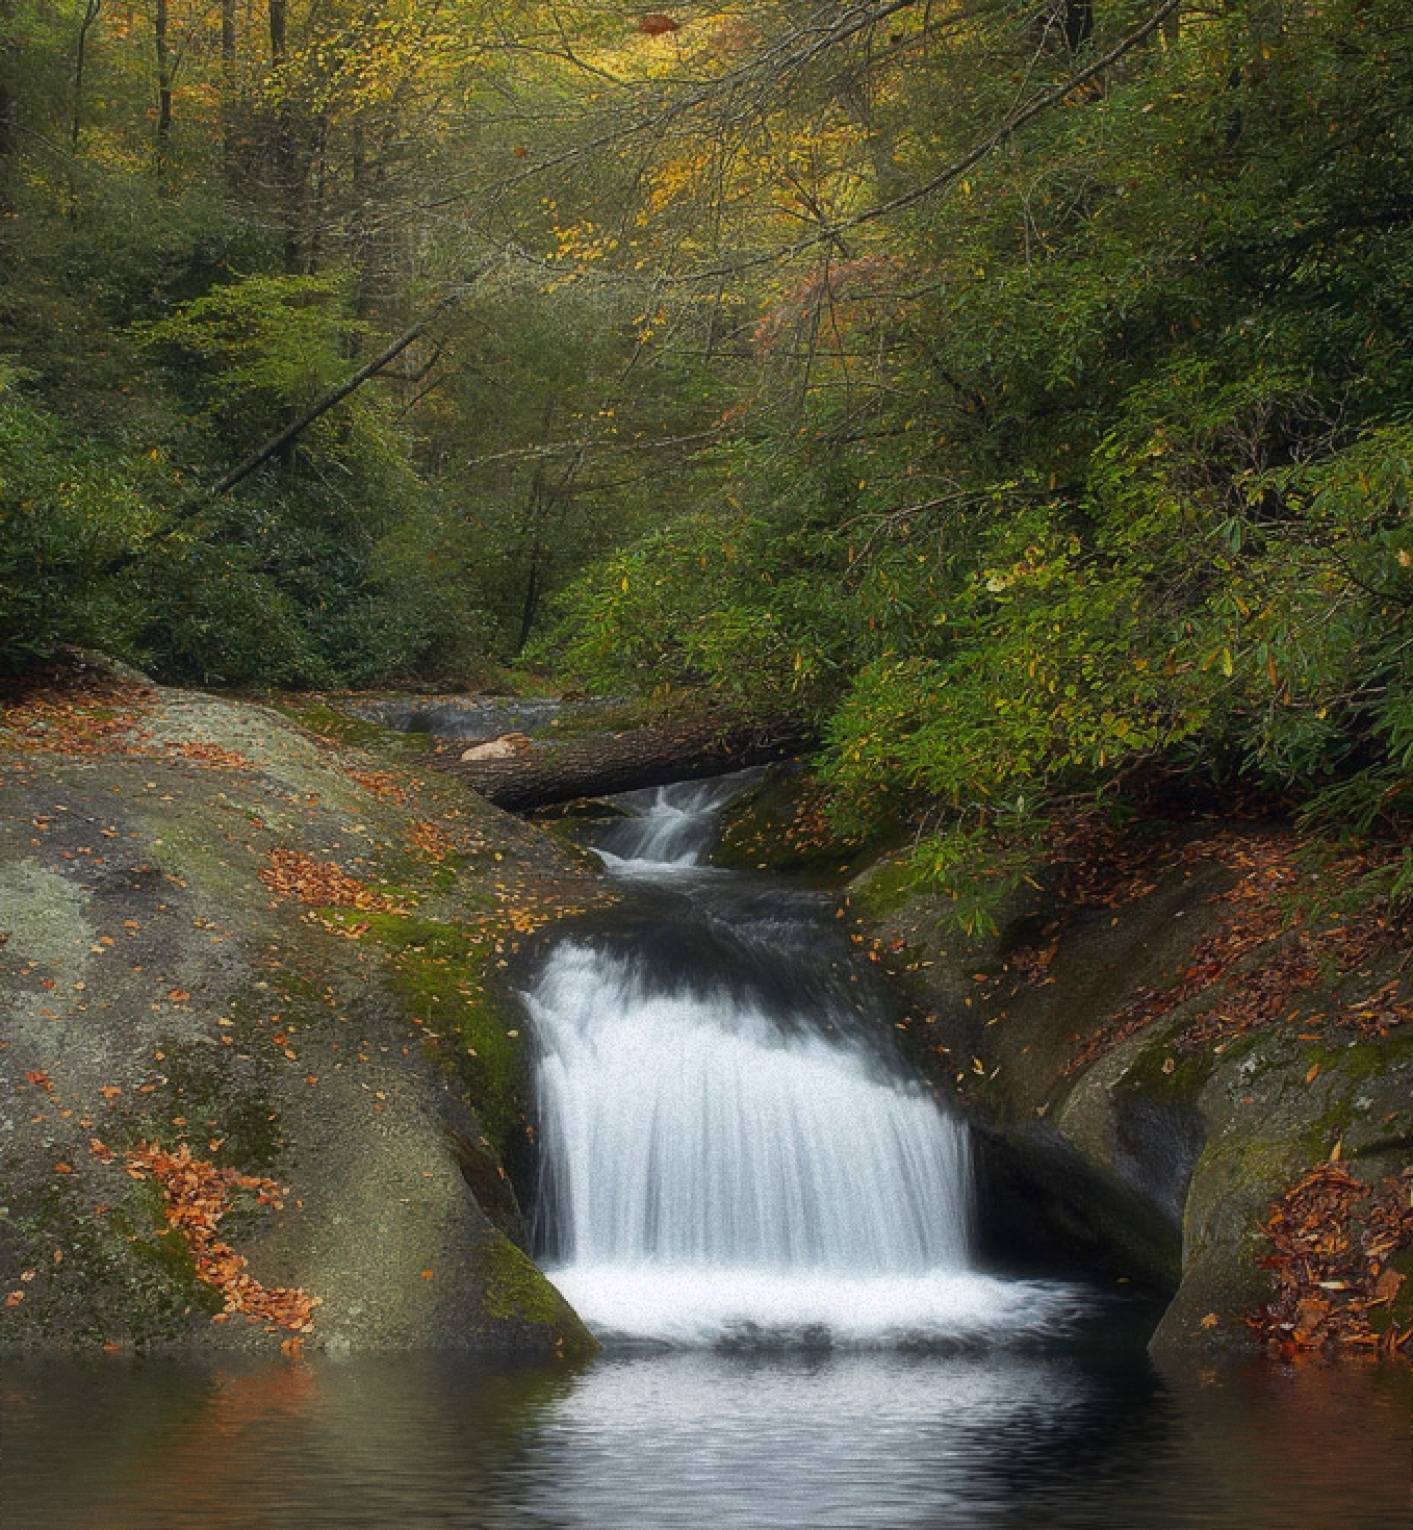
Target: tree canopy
(1017,390)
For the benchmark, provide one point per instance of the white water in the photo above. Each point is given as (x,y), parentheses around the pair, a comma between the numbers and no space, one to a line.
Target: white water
(716,1170)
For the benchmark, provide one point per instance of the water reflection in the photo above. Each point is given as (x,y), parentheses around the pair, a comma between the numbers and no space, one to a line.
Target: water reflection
(692,1440)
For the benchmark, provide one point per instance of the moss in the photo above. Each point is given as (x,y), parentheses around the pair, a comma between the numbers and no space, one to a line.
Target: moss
(779,825)
(173,1263)
(516,1288)
(585,720)
(124,1275)
(201,1087)
(316,716)
(441,972)
(888,888)
(1370,1059)
(186,847)
(1161,1070)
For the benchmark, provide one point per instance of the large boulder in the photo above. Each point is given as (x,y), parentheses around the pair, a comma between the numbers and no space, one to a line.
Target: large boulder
(260,1078)
(1154,1061)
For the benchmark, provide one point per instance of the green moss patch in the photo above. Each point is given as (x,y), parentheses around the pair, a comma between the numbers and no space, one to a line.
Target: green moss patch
(316,716)
(442,972)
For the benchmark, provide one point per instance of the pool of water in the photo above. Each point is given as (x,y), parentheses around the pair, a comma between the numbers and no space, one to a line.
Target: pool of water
(699,1440)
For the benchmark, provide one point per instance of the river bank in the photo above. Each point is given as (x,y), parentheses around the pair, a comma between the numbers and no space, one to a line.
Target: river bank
(263,1083)
(1186,1050)
(205,899)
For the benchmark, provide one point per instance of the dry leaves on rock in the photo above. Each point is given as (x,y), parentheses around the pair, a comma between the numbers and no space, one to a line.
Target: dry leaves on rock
(381,783)
(429,840)
(323,884)
(1332,1237)
(1248,995)
(196,1196)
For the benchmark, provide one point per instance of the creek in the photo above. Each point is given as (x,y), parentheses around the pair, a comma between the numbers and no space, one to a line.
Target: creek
(733,1153)
(773,1229)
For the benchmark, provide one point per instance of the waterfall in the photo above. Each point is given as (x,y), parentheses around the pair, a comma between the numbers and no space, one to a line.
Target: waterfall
(728,1154)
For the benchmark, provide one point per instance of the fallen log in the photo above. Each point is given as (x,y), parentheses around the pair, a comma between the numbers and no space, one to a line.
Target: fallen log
(599,764)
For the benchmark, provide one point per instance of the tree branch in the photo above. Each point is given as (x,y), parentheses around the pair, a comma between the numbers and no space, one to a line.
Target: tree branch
(276,444)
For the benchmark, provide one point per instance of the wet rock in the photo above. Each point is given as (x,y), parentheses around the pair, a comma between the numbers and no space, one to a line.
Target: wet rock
(1127,1111)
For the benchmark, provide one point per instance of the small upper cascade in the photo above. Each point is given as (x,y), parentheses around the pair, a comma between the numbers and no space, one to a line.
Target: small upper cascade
(669,825)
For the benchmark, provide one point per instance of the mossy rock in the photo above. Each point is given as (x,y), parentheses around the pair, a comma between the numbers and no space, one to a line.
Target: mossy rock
(1160,1157)
(157,986)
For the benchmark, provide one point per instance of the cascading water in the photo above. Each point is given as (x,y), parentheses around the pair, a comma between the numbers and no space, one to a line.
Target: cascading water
(729,1153)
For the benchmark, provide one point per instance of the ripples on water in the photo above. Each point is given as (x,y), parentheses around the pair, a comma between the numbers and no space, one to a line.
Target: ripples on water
(703,1441)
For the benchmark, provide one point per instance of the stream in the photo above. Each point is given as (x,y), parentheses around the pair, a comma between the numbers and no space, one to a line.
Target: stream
(733,1155)
(772,1228)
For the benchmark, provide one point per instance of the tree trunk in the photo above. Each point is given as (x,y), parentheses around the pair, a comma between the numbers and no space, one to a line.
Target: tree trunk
(288,176)
(7,102)
(86,23)
(1078,22)
(230,158)
(594,766)
(164,88)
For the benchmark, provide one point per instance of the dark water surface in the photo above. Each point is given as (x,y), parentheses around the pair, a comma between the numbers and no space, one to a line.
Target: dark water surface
(704,1441)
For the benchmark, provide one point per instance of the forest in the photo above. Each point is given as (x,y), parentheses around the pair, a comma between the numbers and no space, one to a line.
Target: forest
(706,764)
(1018,395)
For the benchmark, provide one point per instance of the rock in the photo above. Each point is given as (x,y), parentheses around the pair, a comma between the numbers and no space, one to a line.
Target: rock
(1139,1106)
(506,747)
(163,980)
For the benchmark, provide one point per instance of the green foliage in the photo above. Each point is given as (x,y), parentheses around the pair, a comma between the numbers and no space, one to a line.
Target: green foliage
(1088,464)
(66,506)
(1126,488)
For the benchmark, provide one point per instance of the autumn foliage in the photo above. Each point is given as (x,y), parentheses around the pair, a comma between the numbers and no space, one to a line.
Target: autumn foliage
(324,884)
(1258,915)
(196,1197)
(1332,1238)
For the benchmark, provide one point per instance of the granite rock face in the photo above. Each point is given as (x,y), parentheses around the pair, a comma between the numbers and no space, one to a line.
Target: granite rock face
(1151,1070)
(227,936)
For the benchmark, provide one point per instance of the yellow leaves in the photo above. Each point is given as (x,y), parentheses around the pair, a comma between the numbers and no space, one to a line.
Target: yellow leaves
(583,242)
